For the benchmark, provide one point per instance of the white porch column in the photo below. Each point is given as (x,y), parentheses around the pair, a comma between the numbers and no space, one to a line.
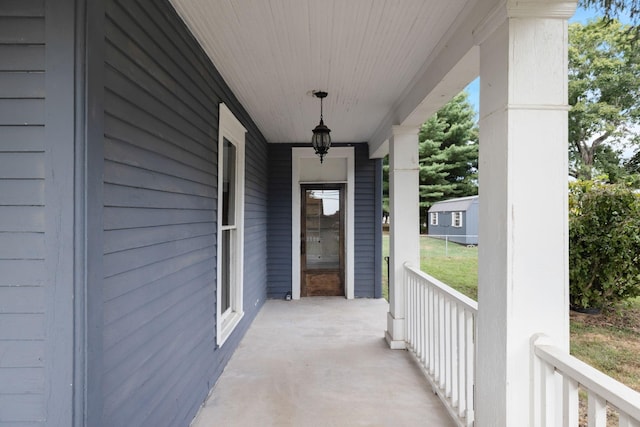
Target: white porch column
(523,249)
(404,237)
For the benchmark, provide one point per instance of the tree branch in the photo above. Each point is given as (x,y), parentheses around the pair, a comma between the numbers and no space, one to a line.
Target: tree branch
(599,140)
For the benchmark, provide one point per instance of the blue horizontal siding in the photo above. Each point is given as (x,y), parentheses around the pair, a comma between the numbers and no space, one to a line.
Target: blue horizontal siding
(23,214)
(368,223)
(279,230)
(162,96)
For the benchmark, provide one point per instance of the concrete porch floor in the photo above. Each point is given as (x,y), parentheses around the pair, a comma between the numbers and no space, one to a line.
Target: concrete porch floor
(321,362)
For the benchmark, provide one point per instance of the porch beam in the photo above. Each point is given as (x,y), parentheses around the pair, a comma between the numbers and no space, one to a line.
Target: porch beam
(404,237)
(453,64)
(523,257)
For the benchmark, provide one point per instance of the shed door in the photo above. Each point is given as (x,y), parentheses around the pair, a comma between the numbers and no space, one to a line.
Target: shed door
(322,240)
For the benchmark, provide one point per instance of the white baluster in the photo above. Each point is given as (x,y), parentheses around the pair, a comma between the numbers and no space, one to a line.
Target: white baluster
(597,410)
(570,404)
(470,366)
(626,421)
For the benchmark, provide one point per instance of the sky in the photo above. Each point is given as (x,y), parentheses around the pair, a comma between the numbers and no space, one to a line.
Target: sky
(582,15)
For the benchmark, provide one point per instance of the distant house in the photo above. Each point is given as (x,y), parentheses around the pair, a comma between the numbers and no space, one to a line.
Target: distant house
(457,218)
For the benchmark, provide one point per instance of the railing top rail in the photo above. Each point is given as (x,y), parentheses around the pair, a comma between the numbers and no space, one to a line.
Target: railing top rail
(449,235)
(469,304)
(617,394)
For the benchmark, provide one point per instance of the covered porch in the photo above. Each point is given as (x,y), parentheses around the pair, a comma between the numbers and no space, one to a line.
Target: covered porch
(132,271)
(321,361)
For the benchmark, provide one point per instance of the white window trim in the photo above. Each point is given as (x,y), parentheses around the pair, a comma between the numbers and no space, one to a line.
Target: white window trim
(453,219)
(434,218)
(297,154)
(231,129)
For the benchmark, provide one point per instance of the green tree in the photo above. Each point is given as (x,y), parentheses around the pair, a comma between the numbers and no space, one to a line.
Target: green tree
(612,9)
(608,163)
(604,244)
(604,94)
(448,152)
(385,187)
(633,164)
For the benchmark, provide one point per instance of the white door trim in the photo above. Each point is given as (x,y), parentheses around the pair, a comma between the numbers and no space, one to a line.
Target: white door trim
(298,153)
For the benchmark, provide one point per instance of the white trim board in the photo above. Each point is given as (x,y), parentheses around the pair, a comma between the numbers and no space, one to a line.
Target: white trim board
(231,129)
(337,176)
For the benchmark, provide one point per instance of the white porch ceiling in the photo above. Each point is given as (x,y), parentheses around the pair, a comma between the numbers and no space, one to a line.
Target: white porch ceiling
(366,54)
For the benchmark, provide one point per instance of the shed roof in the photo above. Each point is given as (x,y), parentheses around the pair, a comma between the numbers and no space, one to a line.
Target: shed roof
(459,204)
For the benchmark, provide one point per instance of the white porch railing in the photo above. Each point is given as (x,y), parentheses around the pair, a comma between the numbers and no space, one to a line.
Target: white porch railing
(441,329)
(558,377)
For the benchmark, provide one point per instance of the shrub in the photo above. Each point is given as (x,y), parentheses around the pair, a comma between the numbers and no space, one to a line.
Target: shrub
(604,244)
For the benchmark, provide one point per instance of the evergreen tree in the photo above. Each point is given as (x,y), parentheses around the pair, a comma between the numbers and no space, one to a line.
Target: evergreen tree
(448,154)
(448,151)
(385,188)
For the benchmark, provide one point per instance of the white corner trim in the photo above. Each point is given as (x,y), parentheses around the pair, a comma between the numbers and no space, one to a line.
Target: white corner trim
(298,153)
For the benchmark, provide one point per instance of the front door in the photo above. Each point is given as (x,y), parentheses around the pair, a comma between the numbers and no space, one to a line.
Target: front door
(322,240)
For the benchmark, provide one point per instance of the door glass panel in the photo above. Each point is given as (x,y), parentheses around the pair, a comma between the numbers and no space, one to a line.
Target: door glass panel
(322,229)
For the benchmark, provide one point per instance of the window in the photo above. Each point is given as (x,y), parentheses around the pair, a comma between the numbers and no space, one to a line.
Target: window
(229,309)
(434,218)
(456,219)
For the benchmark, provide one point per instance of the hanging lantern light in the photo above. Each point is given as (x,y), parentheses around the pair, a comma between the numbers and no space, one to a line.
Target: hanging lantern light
(321,139)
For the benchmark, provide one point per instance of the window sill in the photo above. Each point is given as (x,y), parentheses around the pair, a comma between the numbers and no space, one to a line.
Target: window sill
(228,326)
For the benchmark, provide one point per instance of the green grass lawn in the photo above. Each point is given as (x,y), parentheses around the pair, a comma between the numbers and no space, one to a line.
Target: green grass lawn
(454,264)
(611,349)
(609,342)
